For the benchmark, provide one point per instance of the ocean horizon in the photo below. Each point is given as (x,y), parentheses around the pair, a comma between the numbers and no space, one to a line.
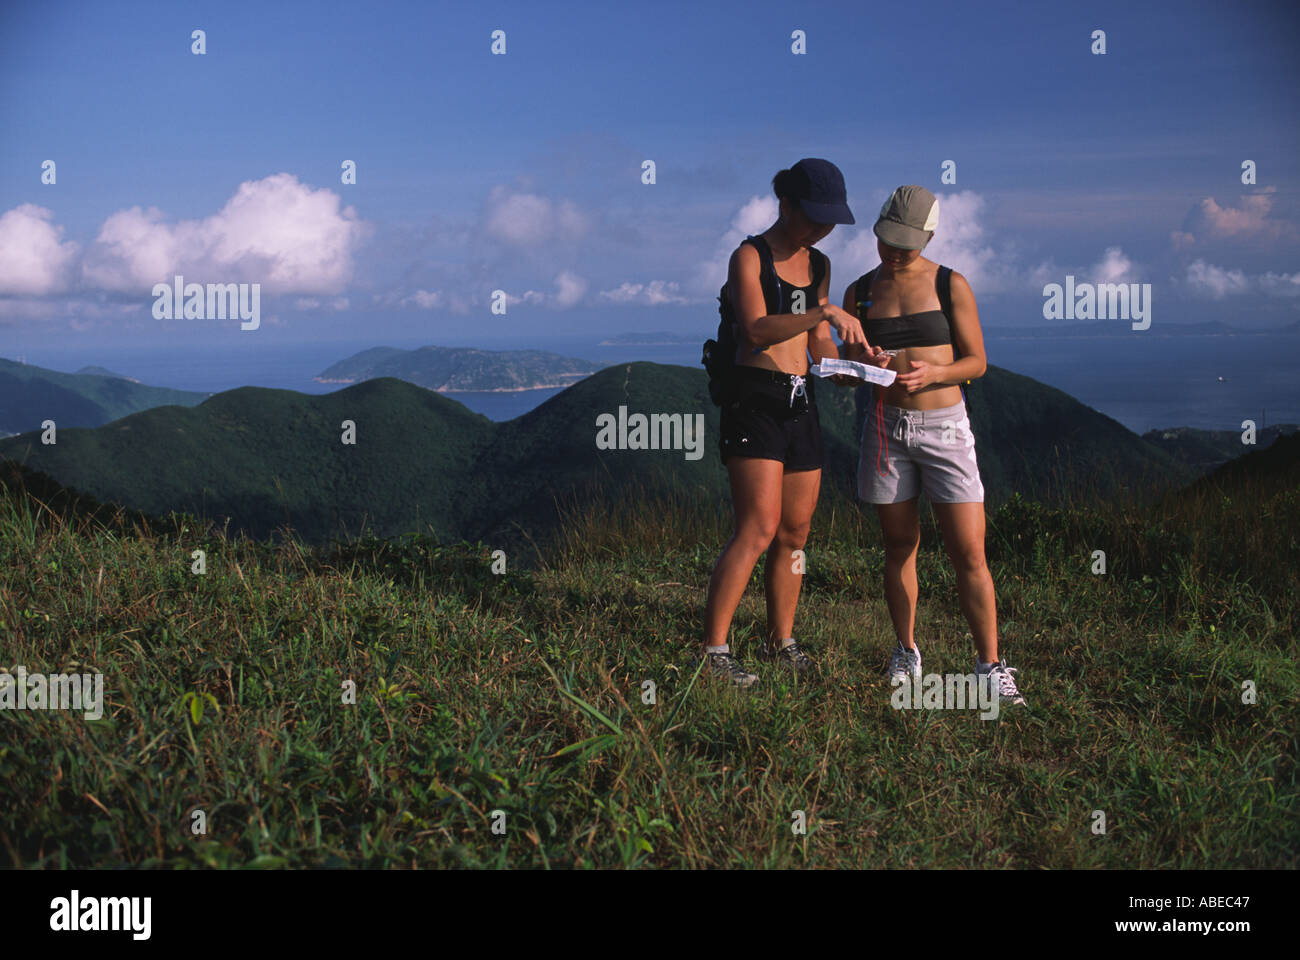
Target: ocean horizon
(1144,384)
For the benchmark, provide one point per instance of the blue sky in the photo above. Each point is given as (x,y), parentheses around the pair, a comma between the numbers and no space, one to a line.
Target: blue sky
(522,172)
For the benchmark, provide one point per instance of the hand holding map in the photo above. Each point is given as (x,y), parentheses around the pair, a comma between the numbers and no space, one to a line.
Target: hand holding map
(830,367)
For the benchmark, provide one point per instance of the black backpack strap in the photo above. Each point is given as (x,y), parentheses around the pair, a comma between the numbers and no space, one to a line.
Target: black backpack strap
(943,286)
(767,277)
(818,267)
(862,293)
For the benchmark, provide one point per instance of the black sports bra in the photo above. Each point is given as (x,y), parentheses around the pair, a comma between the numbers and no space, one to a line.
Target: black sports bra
(930,328)
(786,289)
(787,294)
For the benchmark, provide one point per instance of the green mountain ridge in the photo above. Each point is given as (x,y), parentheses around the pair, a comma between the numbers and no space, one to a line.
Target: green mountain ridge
(29,395)
(1203,450)
(98,371)
(1275,467)
(423,462)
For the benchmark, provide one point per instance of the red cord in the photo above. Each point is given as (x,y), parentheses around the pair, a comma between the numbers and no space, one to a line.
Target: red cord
(880,432)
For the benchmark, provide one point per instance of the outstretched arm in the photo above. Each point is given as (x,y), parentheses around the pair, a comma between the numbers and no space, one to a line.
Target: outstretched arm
(864,352)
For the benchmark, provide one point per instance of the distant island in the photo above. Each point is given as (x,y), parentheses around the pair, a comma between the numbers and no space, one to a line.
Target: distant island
(658,338)
(93,371)
(462,369)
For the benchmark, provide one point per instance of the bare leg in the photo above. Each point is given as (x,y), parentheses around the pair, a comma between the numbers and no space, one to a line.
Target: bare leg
(798,501)
(756,498)
(962,525)
(900,524)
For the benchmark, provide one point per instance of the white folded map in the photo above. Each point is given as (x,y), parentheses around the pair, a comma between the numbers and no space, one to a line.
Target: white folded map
(830,367)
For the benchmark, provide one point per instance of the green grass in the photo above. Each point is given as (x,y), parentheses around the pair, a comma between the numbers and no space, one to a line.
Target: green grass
(523,693)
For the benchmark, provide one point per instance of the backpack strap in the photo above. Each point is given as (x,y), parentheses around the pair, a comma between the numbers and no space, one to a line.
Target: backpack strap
(818,267)
(943,286)
(767,277)
(862,293)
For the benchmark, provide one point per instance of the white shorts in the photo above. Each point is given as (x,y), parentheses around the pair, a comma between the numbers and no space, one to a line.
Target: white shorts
(907,451)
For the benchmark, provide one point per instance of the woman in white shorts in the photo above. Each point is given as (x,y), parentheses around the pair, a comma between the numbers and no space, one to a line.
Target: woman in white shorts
(917,435)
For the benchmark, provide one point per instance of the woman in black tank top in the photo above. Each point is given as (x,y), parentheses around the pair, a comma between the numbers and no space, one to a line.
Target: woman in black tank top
(769,434)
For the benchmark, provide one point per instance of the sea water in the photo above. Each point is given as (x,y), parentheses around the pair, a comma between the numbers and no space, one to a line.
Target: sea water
(1143,382)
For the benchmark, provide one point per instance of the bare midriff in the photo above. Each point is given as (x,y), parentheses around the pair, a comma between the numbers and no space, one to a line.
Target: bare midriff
(932,397)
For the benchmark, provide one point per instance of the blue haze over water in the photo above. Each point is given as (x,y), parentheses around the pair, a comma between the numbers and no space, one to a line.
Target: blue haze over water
(1143,382)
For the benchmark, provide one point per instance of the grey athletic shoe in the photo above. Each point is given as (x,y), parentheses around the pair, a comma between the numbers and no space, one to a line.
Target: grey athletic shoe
(1005,684)
(905,664)
(725,665)
(790,655)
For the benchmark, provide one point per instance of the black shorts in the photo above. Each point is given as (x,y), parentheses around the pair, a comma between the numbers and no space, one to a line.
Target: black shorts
(772,416)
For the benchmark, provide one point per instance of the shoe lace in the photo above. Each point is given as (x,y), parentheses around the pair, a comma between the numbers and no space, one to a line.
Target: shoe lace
(729,663)
(1006,682)
(901,659)
(792,651)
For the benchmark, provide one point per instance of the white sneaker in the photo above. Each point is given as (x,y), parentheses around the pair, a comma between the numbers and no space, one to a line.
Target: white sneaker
(903,663)
(1000,676)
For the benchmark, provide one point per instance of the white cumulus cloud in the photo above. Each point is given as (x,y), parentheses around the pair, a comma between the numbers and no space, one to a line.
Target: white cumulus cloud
(275,231)
(34,259)
(653,294)
(1281,284)
(527,219)
(1114,267)
(961,241)
(1250,221)
(1218,282)
(1204,277)
(425,299)
(755,216)
(570,288)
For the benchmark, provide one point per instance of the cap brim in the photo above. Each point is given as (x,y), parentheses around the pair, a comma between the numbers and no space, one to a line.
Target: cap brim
(900,235)
(827,212)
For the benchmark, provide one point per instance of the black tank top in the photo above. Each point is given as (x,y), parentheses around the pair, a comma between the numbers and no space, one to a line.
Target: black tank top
(785,301)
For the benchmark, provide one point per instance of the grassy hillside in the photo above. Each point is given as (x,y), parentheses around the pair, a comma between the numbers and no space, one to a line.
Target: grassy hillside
(522,693)
(30,395)
(270,457)
(425,464)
